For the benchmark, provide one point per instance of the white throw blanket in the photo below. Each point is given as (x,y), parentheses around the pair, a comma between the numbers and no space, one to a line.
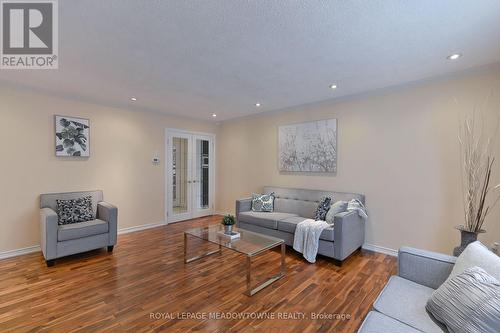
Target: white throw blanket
(306,240)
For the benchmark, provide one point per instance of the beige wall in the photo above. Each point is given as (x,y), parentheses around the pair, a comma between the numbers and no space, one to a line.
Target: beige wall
(398,147)
(122,145)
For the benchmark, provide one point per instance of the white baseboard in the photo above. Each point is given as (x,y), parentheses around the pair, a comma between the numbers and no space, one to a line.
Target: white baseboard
(380,249)
(140,228)
(222,213)
(20,252)
(36,248)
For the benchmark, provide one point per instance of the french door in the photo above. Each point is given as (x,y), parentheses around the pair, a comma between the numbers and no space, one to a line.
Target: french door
(189,174)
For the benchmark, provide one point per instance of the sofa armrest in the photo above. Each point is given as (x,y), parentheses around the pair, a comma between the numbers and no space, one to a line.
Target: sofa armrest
(109,213)
(243,205)
(427,268)
(348,234)
(48,233)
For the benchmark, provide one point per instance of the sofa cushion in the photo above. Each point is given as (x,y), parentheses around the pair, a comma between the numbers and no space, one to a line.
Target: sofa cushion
(376,322)
(263,219)
(335,208)
(469,302)
(323,207)
(297,207)
(290,224)
(405,301)
(263,202)
(82,229)
(303,202)
(476,254)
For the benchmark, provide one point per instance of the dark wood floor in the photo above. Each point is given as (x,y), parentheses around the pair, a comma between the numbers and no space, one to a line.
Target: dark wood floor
(146,276)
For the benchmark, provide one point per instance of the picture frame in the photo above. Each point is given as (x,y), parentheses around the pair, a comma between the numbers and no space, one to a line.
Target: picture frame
(72,136)
(308,147)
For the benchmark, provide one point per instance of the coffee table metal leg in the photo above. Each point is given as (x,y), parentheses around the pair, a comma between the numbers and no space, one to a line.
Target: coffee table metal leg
(249,276)
(185,247)
(283,258)
(252,291)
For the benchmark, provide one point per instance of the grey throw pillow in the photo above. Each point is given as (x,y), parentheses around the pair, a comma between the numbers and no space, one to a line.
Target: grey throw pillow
(337,207)
(476,254)
(75,210)
(263,202)
(322,210)
(468,303)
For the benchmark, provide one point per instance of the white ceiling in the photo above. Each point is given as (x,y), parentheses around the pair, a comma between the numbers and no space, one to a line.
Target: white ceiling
(195,58)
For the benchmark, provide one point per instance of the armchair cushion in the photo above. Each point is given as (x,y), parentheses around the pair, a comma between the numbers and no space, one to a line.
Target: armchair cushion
(81,230)
(49,200)
(75,210)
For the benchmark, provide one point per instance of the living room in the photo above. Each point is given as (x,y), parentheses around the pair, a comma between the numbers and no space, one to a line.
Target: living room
(236,166)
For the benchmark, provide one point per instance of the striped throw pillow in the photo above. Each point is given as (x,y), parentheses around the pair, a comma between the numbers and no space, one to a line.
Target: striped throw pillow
(468,302)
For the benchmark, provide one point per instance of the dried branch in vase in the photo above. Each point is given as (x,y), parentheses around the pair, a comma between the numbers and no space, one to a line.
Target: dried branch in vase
(477,166)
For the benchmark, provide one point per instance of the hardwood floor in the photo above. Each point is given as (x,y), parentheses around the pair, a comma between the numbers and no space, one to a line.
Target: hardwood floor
(145,279)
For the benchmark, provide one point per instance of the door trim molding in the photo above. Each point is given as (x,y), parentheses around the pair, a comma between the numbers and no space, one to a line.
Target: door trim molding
(212,190)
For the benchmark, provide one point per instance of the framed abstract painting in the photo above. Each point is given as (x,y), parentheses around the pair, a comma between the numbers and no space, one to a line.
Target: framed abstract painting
(308,147)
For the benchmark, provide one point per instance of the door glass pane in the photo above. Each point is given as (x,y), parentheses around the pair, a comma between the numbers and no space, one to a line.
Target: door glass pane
(179,175)
(202,173)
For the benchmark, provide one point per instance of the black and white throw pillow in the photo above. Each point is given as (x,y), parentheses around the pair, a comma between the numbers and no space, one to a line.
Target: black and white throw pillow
(263,202)
(322,210)
(75,210)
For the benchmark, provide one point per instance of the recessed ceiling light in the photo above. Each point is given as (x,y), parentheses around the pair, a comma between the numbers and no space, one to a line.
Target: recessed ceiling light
(133,99)
(257,105)
(214,115)
(333,86)
(454,56)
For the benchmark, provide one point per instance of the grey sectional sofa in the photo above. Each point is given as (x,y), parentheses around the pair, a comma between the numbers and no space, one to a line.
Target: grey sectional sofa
(292,206)
(400,307)
(59,241)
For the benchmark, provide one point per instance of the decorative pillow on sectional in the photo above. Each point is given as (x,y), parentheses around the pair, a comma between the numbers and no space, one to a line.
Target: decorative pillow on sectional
(356,205)
(322,210)
(263,202)
(469,302)
(476,254)
(335,208)
(75,210)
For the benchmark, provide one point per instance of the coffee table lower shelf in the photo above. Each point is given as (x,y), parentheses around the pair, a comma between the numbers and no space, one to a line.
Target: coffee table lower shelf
(250,291)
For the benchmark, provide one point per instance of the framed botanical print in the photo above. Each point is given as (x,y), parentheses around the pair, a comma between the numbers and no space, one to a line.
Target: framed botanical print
(72,136)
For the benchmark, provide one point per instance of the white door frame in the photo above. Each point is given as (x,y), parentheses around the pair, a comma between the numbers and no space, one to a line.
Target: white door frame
(192,211)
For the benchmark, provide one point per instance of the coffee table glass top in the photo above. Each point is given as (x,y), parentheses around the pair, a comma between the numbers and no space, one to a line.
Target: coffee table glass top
(249,243)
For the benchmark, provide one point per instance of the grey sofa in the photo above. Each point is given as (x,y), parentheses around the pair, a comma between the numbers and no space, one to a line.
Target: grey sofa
(400,307)
(292,206)
(59,241)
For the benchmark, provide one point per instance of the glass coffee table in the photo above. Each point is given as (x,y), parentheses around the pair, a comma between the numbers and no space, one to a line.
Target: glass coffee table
(250,244)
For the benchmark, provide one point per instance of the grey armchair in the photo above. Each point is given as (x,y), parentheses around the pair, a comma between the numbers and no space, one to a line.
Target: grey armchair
(59,241)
